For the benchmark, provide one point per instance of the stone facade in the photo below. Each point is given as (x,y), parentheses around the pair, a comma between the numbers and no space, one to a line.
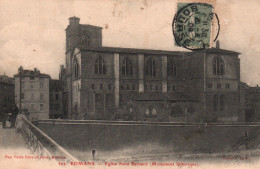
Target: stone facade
(138,84)
(7,93)
(32,93)
(62,81)
(252,103)
(56,100)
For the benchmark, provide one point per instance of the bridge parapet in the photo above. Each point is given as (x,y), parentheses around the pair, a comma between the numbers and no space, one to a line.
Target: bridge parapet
(42,145)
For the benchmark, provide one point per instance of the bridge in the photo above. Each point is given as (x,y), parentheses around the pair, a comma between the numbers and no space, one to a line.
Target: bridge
(57,138)
(30,143)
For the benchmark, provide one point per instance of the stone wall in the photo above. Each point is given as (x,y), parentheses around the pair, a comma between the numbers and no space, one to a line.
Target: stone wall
(131,139)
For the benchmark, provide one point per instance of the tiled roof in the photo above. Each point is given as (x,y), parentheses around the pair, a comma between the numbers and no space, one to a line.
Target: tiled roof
(55,85)
(31,73)
(6,80)
(254,89)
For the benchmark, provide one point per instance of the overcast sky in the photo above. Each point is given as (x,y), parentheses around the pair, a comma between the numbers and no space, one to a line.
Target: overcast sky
(32,32)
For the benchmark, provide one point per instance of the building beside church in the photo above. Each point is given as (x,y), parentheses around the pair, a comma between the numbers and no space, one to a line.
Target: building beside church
(252,102)
(32,93)
(56,99)
(62,81)
(153,85)
(6,93)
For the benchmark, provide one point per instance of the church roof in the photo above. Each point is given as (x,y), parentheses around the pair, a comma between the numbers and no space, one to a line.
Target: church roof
(85,25)
(150,51)
(218,50)
(131,50)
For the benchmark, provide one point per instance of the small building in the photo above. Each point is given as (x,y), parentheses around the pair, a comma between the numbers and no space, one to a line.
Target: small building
(62,79)
(252,103)
(6,93)
(32,92)
(56,101)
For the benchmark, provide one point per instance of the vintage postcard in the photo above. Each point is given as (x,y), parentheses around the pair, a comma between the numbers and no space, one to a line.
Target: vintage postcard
(129,84)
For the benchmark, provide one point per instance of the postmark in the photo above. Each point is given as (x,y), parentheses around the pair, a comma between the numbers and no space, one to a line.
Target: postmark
(192,25)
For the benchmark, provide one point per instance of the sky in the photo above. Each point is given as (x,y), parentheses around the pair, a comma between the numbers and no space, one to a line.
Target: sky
(32,32)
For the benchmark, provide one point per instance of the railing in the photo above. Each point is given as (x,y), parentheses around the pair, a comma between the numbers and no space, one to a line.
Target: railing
(247,139)
(42,145)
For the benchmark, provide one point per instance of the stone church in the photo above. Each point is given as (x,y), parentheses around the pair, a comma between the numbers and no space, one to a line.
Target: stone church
(114,83)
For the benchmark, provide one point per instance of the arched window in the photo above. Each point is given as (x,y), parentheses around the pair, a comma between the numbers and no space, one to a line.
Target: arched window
(127,67)
(76,69)
(154,112)
(221,102)
(85,38)
(150,67)
(171,68)
(100,66)
(99,103)
(146,112)
(215,102)
(218,66)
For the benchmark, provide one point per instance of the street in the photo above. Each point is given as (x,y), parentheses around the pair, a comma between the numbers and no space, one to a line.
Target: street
(9,138)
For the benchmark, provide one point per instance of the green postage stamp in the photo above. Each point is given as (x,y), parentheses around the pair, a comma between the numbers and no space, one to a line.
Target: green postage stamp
(192,25)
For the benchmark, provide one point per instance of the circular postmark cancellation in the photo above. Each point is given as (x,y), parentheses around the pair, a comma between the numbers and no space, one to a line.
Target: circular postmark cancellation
(192,26)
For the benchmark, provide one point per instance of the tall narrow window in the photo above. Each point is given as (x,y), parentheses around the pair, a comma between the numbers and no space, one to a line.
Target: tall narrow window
(154,113)
(156,87)
(219,85)
(99,103)
(120,100)
(151,87)
(41,85)
(76,69)
(109,86)
(22,84)
(100,66)
(215,102)
(150,67)
(57,96)
(209,85)
(32,96)
(32,106)
(173,87)
(218,66)
(22,95)
(51,106)
(41,106)
(133,86)
(32,85)
(171,68)
(41,96)
(227,85)
(109,101)
(222,102)
(85,38)
(127,67)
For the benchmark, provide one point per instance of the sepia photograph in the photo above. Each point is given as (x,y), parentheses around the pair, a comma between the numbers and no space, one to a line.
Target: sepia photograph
(129,84)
